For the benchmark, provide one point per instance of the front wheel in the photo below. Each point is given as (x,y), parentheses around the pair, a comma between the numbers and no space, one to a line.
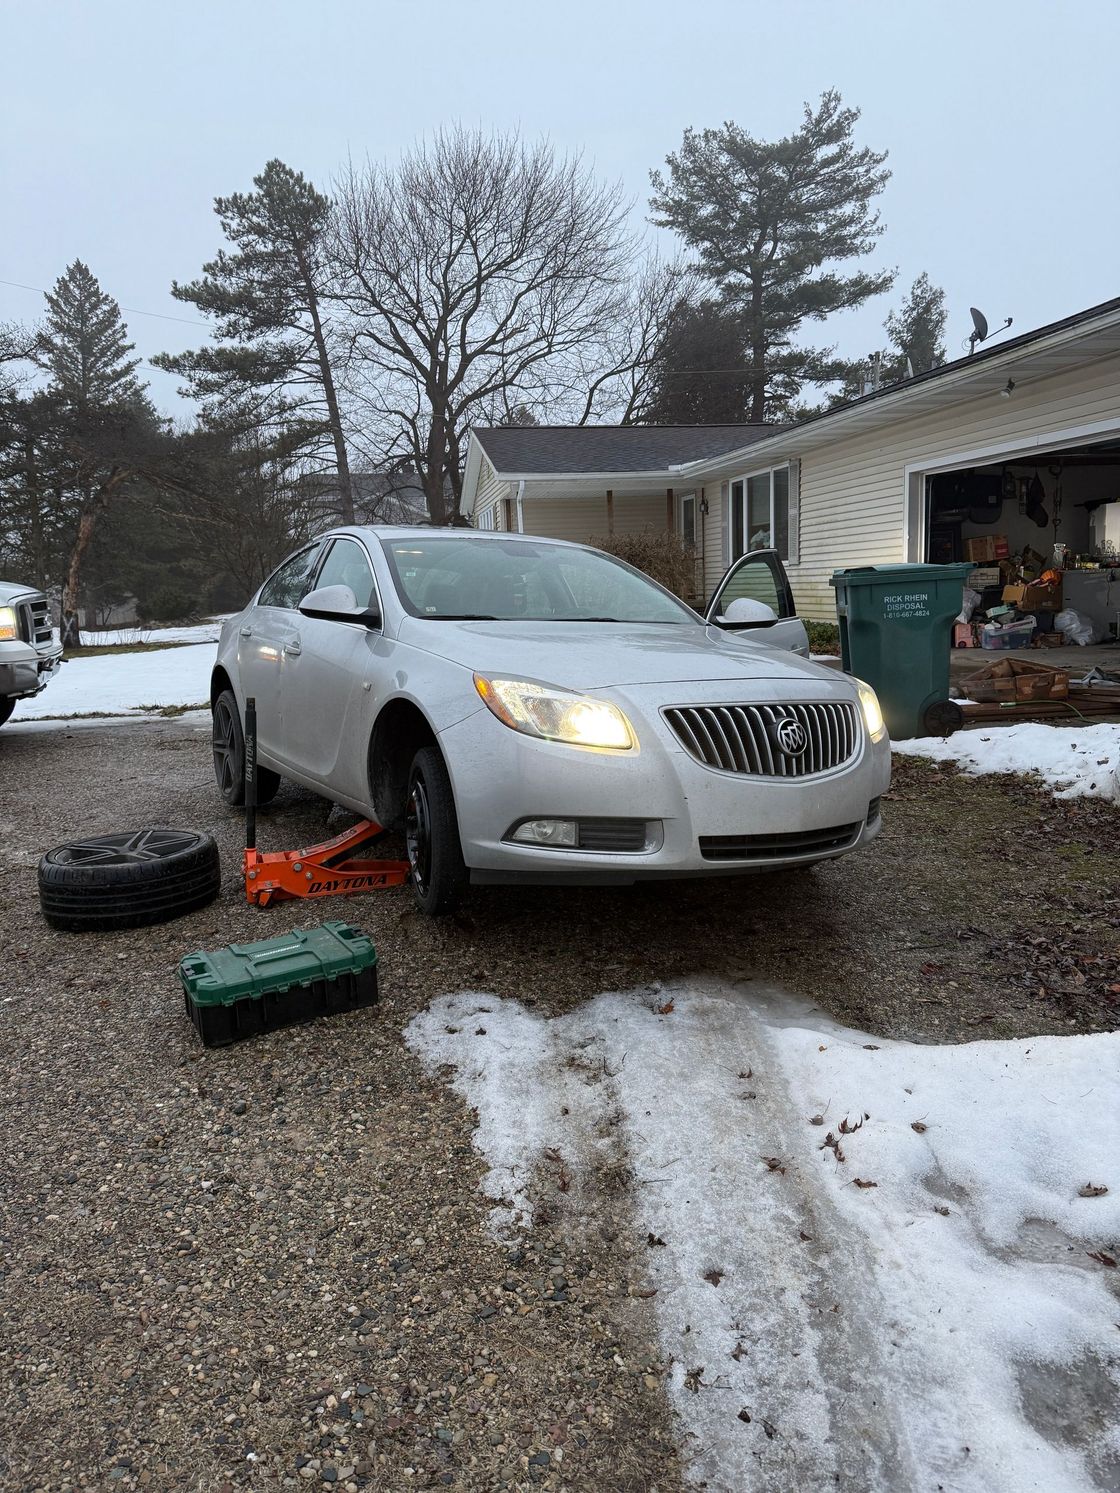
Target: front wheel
(229,756)
(7,705)
(435,853)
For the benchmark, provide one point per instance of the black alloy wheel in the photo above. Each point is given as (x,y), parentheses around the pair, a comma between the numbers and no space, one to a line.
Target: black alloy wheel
(128,879)
(438,874)
(228,745)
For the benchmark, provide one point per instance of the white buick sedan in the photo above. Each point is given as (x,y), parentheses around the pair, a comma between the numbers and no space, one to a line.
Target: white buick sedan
(528,710)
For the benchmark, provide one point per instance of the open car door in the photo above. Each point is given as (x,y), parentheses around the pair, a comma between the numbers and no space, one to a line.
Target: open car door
(755,597)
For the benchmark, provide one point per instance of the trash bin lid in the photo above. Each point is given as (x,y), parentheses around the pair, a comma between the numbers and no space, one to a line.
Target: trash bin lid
(901,574)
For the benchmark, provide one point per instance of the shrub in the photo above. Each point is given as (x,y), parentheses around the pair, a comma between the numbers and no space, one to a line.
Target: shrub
(824,637)
(662,554)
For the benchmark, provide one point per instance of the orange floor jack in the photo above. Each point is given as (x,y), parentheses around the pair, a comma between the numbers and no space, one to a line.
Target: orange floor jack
(329,870)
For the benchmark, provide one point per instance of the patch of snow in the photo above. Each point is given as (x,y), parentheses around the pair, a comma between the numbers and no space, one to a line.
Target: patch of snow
(1076,761)
(113,682)
(946,1326)
(202,632)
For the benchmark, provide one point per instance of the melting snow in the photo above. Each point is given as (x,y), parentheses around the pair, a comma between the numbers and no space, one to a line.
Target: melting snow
(947,1325)
(1073,760)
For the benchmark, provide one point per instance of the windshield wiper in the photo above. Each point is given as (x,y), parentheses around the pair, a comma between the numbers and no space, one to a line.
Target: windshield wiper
(460,617)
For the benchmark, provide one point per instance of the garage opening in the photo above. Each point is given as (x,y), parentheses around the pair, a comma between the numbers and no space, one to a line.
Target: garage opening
(1043,534)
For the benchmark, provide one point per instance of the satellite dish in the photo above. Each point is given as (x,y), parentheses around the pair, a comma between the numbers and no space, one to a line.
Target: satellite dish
(980,328)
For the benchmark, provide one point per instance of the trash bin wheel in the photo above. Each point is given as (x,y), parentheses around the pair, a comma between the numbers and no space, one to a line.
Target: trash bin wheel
(943,718)
(128,879)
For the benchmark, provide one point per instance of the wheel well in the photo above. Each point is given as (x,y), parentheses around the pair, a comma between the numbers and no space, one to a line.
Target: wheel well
(219,681)
(398,734)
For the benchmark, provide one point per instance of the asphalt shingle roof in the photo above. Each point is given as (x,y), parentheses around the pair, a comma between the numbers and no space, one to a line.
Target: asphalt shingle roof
(609,448)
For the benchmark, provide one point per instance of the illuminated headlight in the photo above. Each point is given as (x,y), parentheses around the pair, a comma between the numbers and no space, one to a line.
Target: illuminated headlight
(872,714)
(547,832)
(9,624)
(556,714)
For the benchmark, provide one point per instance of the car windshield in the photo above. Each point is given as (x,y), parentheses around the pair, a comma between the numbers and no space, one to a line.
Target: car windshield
(456,577)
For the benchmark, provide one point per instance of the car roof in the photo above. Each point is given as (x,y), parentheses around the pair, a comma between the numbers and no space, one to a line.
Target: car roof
(382,532)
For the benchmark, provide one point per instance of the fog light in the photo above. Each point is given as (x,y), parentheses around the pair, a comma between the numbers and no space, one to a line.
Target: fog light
(547,832)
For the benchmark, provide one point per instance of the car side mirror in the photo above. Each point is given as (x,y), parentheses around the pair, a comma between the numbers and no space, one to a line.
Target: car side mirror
(338,604)
(744,613)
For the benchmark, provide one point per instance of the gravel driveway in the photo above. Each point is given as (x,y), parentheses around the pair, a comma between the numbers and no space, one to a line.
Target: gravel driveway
(268,1265)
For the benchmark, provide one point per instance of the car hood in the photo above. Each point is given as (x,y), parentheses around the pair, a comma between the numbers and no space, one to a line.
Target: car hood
(600,655)
(12,591)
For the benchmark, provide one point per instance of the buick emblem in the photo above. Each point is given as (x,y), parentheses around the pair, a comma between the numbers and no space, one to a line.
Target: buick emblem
(791,738)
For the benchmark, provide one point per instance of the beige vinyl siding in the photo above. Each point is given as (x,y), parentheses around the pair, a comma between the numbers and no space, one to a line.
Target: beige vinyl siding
(853,494)
(489,493)
(583,519)
(712,531)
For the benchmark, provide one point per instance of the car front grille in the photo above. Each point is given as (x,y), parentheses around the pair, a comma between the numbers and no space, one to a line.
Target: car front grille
(778,847)
(749,739)
(35,621)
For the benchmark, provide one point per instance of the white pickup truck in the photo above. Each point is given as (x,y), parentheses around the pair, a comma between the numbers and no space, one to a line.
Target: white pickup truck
(29,653)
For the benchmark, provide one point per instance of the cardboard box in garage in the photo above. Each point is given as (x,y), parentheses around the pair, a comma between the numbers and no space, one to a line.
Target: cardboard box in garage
(1034,598)
(986,549)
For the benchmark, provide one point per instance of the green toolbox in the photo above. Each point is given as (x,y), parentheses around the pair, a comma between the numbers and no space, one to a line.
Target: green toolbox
(247,988)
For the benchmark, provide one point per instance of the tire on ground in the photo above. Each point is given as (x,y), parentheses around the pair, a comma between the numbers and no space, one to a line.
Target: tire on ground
(7,705)
(128,879)
(228,747)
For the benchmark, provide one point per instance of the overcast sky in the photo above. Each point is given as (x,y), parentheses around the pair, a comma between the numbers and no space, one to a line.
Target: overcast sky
(120,121)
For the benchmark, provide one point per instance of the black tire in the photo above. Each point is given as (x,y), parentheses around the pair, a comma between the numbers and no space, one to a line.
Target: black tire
(438,874)
(227,738)
(128,879)
(7,705)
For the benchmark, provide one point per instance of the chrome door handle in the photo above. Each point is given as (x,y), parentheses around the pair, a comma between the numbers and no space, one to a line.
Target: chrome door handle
(246,632)
(293,649)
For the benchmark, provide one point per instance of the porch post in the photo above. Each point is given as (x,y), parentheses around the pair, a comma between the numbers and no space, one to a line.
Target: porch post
(669,509)
(610,511)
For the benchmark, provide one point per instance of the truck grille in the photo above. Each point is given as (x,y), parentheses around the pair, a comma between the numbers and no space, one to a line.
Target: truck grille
(35,621)
(749,738)
(777,847)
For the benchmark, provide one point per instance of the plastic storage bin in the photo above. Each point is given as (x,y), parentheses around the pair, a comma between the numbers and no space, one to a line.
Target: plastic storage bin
(245,989)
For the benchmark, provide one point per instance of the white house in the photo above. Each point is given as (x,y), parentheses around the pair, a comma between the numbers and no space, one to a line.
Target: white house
(1019,443)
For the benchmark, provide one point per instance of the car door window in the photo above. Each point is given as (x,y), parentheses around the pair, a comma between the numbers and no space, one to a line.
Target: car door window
(286,585)
(346,565)
(758,577)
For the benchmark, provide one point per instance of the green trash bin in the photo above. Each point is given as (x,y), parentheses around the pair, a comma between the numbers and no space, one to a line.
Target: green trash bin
(896,626)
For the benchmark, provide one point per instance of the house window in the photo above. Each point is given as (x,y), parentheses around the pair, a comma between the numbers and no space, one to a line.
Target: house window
(760,513)
(688,519)
(486,518)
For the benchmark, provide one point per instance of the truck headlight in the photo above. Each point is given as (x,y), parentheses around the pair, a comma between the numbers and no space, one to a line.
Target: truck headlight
(555,714)
(872,714)
(9,624)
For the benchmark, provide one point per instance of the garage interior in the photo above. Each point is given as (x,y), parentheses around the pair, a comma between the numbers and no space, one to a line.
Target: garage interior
(1043,533)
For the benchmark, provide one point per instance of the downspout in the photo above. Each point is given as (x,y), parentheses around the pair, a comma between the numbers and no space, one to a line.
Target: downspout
(520,509)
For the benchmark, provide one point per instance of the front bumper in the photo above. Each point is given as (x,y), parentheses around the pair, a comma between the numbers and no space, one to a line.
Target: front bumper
(24,670)
(693,813)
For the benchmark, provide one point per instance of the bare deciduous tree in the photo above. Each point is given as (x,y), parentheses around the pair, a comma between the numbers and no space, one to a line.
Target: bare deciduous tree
(480,273)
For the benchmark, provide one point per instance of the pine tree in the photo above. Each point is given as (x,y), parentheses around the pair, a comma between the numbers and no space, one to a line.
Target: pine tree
(266,300)
(917,330)
(83,345)
(700,374)
(772,222)
(102,429)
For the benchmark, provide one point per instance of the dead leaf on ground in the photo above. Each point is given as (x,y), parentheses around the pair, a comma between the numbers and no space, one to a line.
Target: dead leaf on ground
(847,1128)
(918,1126)
(770,1428)
(773,1164)
(859,1182)
(739,1350)
(1102,1256)
(745,1415)
(713,1277)
(1091,1190)
(666,1009)
(871,1046)
(941,1208)
(804,1237)
(654,1240)
(816,1119)
(693,1379)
